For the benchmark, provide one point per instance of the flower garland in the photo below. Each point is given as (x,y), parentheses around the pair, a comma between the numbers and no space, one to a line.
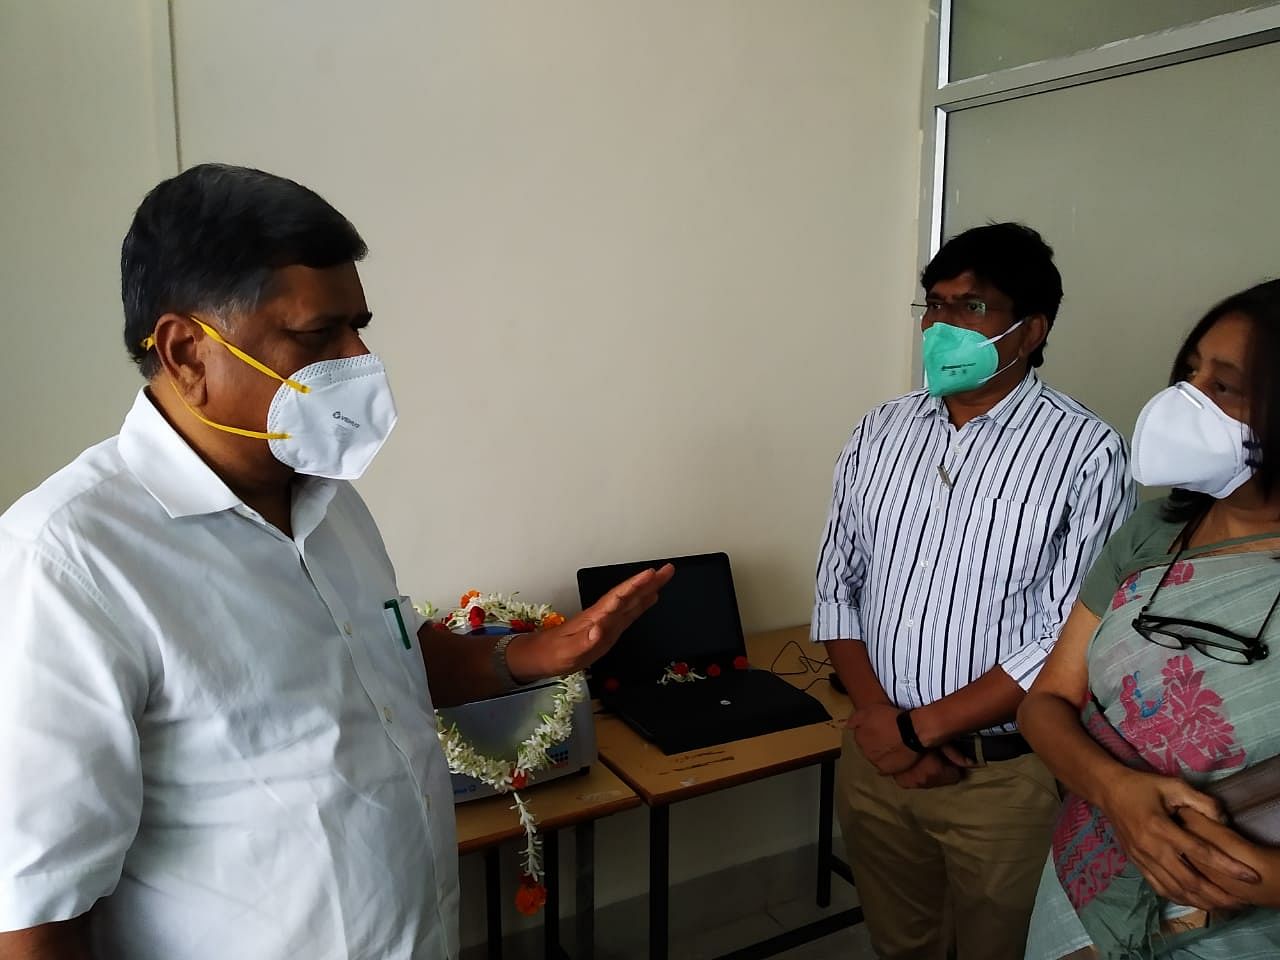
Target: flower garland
(478,610)
(680,671)
(502,774)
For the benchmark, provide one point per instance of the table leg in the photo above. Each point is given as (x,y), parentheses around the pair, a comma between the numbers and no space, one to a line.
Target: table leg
(659,880)
(551,912)
(493,902)
(584,843)
(826,804)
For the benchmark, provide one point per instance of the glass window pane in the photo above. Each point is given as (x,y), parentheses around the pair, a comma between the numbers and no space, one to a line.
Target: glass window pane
(1158,193)
(990,35)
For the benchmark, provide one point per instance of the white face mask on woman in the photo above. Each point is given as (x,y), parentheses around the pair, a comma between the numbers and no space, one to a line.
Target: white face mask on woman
(1183,439)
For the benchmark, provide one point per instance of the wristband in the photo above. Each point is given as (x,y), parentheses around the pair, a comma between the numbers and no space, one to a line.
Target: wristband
(907,730)
(500,665)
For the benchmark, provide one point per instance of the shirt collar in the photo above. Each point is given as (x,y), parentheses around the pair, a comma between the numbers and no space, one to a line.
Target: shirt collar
(166,465)
(1012,411)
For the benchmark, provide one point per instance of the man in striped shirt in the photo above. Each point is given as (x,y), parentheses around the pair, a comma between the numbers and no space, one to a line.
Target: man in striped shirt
(962,521)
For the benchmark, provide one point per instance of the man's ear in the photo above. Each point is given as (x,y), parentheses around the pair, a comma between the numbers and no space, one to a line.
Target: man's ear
(1037,326)
(177,347)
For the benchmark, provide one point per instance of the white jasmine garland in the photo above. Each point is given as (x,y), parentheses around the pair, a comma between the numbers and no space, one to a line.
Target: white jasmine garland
(499,608)
(501,773)
(672,674)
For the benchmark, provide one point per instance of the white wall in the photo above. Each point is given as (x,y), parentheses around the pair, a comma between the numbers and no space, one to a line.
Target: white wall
(86,128)
(637,269)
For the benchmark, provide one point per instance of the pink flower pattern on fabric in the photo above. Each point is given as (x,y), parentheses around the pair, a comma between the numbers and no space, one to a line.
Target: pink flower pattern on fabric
(1180,724)
(1127,593)
(1180,573)
(1176,728)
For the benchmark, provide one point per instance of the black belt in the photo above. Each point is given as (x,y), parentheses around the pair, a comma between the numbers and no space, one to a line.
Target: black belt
(995,747)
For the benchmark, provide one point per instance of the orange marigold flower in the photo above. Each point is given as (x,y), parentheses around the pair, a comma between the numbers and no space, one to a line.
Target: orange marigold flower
(552,619)
(531,896)
(468,597)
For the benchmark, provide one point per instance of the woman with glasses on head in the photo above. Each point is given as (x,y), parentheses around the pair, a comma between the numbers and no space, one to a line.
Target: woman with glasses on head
(1161,681)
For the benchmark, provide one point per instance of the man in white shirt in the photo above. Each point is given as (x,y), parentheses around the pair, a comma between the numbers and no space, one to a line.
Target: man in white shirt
(962,521)
(212,742)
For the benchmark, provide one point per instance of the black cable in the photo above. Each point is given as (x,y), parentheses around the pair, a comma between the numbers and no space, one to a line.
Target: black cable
(808,665)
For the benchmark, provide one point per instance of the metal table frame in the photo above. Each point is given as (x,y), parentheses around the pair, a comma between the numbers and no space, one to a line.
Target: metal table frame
(828,864)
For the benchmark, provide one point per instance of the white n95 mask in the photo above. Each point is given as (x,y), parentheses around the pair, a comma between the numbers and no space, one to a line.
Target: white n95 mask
(1183,439)
(329,419)
(339,424)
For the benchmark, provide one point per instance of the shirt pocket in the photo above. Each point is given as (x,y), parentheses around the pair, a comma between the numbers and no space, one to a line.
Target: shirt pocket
(396,657)
(412,666)
(1014,542)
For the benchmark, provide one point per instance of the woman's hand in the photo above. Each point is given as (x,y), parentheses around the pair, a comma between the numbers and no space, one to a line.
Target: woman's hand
(1145,809)
(1264,860)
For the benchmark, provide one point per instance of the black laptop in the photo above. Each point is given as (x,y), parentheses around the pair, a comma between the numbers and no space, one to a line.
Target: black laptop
(695,622)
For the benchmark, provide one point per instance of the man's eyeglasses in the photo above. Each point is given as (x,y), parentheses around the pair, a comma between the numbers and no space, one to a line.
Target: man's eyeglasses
(1215,642)
(967,311)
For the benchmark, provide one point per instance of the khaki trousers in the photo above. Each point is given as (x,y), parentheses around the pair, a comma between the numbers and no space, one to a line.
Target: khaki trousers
(947,871)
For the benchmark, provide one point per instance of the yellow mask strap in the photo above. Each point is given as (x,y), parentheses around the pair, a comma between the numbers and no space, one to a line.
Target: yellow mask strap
(238,431)
(150,342)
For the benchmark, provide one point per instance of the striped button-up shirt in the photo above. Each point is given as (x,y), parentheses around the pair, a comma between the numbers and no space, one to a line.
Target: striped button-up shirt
(949,552)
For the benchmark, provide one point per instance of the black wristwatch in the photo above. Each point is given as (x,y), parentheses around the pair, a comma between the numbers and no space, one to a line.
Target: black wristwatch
(907,730)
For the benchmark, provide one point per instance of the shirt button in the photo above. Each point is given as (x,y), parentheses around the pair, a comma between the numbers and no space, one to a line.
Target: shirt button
(346,628)
(924,564)
(911,623)
(386,714)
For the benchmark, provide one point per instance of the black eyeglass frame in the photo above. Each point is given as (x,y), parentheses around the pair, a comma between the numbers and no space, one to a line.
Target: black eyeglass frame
(1148,625)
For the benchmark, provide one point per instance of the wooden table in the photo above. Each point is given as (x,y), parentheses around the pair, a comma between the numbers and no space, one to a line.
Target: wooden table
(663,780)
(577,801)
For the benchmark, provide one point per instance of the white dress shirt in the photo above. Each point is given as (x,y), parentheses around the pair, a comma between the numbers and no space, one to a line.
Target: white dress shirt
(209,729)
(949,552)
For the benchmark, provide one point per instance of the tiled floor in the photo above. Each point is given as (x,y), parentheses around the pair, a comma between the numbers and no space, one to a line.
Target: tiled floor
(848,944)
(626,937)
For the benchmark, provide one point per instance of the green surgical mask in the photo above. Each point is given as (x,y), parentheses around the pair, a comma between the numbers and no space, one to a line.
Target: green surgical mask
(957,360)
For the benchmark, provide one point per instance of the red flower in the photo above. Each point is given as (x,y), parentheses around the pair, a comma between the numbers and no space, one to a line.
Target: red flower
(475,616)
(740,663)
(611,684)
(713,670)
(519,780)
(441,626)
(680,669)
(530,896)
(521,626)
